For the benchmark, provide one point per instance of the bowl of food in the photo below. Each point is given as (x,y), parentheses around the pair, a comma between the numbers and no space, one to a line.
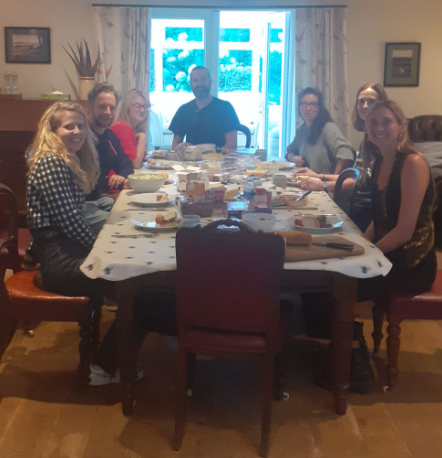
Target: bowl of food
(146,182)
(259,221)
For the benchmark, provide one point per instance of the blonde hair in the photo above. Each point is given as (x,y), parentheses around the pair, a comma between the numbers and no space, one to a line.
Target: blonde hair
(85,164)
(124,115)
(358,123)
(370,150)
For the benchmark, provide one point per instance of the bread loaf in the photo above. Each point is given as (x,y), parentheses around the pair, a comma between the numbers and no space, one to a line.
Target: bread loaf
(295,237)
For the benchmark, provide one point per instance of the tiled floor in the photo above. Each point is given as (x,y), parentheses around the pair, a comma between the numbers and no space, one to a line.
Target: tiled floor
(42,417)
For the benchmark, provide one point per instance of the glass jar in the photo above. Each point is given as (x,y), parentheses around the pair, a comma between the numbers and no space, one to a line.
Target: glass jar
(7,83)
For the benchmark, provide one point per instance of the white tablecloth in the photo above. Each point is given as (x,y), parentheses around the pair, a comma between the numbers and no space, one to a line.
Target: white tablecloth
(117,259)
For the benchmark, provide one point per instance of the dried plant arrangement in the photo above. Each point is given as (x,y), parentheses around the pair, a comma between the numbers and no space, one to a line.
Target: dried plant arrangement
(82,59)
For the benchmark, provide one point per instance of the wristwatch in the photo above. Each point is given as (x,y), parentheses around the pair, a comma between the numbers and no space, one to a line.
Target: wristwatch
(325,186)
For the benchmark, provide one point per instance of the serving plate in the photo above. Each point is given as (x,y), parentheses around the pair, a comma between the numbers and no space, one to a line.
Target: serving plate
(335,222)
(151,200)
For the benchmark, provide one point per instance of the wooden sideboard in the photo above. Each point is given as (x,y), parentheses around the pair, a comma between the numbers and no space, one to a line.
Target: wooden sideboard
(18,125)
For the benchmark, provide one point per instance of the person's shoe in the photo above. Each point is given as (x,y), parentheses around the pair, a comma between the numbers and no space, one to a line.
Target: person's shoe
(100,377)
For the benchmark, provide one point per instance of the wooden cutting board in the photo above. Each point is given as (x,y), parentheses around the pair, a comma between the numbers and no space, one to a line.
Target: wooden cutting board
(298,253)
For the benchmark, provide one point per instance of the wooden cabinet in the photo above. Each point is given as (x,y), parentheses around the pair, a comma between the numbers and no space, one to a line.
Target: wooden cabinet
(18,125)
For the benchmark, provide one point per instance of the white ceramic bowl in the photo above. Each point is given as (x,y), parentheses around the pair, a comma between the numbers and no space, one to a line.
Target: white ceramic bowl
(146,182)
(259,221)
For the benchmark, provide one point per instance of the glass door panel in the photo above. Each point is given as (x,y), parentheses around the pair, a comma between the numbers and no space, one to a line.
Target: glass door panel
(273,84)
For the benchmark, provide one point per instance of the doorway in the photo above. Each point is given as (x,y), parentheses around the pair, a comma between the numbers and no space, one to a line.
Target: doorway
(246,53)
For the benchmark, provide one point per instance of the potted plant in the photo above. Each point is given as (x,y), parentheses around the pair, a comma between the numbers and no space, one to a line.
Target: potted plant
(83,64)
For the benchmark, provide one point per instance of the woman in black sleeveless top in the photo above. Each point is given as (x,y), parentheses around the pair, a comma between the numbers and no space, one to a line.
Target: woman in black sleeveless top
(402,199)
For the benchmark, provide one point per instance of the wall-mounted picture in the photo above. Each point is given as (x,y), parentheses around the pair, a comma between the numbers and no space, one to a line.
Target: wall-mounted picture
(402,62)
(27,45)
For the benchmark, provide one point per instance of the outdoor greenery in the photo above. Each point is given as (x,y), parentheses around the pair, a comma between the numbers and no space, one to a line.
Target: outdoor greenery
(177,65)
(235,68)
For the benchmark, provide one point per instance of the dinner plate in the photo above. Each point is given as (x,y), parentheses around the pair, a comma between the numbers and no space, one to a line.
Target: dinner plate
(151,200)
(280,164)
(293,184)
(160,166)
(334,220)
(152,226)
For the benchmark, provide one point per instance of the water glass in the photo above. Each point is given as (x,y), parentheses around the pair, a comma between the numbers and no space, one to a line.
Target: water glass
(189,220)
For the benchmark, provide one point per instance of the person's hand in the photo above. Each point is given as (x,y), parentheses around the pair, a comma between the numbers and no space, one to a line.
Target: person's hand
(139,135)
(307,172)
(127,184)
(311,184)
(298,161)
(115,181)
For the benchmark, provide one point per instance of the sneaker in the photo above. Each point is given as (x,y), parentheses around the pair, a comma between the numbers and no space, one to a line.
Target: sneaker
(100,377)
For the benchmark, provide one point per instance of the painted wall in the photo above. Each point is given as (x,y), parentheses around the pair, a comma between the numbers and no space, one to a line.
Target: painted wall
(371,23)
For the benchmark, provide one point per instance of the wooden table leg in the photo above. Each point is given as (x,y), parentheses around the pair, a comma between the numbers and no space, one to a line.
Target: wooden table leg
(125,293)
(344,298)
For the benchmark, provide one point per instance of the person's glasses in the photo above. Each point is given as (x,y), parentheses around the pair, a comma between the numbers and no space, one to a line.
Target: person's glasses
(139,107)
(310,104)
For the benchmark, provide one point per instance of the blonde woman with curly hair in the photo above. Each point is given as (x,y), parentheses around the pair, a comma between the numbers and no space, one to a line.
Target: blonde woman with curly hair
(131,127)
(62,170)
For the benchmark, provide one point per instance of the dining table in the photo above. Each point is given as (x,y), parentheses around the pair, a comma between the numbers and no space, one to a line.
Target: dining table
(134,260)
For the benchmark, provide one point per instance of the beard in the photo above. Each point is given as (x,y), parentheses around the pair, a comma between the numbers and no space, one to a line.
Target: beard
(201,92)
(103,123)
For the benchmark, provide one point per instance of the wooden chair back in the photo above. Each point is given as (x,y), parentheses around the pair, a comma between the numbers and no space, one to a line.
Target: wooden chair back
(228,280)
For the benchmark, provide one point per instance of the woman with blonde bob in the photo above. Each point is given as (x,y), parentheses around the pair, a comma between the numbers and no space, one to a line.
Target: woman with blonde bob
(402,199)
(131,127)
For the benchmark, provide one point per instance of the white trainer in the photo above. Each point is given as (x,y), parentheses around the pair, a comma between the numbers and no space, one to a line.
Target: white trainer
(100,377)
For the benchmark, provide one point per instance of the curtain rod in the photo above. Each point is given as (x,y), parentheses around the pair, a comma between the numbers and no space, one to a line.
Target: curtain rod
(274,7)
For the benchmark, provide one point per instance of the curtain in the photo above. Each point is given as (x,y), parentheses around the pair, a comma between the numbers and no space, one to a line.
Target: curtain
(321,59)
(123,37)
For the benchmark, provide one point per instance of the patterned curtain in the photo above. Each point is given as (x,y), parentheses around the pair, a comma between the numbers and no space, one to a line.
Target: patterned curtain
(321,59)
(124,40)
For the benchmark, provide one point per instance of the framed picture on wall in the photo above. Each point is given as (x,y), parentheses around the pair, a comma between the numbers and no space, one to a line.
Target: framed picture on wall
(402,62)
(27,45)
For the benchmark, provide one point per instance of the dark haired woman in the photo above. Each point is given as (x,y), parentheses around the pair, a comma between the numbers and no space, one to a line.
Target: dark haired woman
(318,143)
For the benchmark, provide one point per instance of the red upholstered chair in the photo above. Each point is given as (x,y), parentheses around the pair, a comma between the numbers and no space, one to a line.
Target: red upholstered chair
(9,226)
(228,306)
(21,298)
(398,307)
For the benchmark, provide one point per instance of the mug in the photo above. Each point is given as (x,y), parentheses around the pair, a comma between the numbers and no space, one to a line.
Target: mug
(262,154)
(280,180)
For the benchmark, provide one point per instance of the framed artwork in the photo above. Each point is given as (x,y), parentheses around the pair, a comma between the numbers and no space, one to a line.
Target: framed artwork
(27,45)
(402,62)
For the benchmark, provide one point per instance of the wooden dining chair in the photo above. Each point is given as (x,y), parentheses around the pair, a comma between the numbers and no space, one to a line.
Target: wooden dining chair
(228,306)
(246,131)
(346,198)
(9,225)
(398,307)
(23,298)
